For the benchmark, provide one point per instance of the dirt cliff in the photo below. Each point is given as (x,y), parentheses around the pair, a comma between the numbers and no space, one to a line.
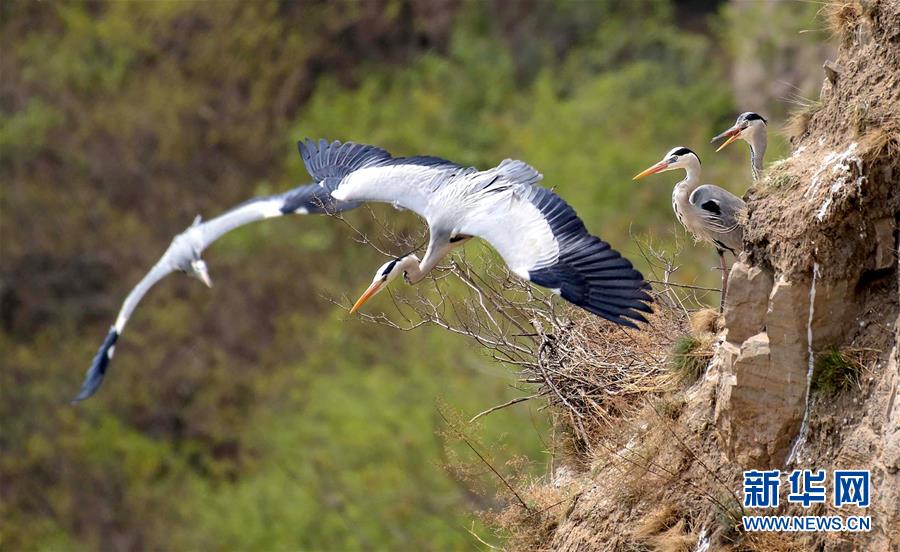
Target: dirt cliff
(803,366)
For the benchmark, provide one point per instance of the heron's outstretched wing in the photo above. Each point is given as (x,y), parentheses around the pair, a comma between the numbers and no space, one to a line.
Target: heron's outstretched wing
(718,210)
(366,173)
(542,240)
(302,200)
(94,376)
(306,199)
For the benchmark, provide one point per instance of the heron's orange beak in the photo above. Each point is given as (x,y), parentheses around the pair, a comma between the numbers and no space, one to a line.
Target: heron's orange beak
(373,289)
(732,133)
(652,170)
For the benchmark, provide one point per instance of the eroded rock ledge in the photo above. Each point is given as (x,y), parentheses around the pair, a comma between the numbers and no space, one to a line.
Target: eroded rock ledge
(821,228)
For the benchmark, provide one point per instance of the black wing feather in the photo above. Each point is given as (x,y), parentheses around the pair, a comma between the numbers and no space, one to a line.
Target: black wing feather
(94,376)
(588,272)
(337,160)
(315,199)
(711,206)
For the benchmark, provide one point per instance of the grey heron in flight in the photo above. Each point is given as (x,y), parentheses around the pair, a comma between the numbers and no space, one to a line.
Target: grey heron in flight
(708,212)
(183,255)
(537,234)
(750,127)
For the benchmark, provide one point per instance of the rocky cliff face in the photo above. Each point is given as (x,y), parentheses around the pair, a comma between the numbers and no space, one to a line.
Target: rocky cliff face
(817,281)
(820,273)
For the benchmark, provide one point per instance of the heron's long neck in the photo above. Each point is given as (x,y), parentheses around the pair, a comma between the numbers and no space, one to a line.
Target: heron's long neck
(437,250)
(682,192)
(758,144)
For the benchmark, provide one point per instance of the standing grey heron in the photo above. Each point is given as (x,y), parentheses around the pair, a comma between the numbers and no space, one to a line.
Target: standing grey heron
(750,127)
(183,255)
(708,212)
(537,234)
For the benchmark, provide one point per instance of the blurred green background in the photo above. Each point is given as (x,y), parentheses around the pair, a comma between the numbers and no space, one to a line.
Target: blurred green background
(258,415)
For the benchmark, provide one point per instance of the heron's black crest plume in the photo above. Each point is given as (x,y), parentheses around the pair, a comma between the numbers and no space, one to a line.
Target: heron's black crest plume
(684,151)
(94,376)
(390,266)
(751,116)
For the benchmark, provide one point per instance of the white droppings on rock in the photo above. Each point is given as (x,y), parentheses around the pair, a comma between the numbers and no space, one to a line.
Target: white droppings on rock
(811,363)
(835,168)
(702,541)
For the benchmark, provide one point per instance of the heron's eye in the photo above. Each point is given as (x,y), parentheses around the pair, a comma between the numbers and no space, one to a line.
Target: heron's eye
(672,159)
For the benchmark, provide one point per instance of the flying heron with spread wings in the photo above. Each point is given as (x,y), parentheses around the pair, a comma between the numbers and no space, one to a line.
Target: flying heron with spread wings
(708,212)
(183,255)
(537,234)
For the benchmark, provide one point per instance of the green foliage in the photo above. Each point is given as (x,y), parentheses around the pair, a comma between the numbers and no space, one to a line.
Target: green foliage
(689,359)
(24,133)
(833,373)
(257,415)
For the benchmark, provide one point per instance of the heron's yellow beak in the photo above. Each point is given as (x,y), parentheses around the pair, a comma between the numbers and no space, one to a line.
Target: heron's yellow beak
(732,133)
(373,289)
(652,170)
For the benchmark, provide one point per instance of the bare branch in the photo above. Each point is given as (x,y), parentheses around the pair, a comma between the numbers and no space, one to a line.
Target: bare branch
(511,402)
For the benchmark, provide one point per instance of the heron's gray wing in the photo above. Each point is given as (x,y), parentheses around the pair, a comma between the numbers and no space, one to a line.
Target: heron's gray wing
(309,198)
(94,376)
(306,199)
(542,240)
(358,172)
(719,210)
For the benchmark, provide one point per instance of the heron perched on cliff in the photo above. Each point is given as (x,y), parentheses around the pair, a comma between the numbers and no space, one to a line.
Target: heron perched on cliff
(708,212)
(183,255)
(537,234)
(750,127)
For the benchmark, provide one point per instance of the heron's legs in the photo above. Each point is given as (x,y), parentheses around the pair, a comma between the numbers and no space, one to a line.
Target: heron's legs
(724,266)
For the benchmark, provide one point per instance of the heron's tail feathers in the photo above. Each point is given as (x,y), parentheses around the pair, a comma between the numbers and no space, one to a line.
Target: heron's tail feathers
(336,159)
(94,376)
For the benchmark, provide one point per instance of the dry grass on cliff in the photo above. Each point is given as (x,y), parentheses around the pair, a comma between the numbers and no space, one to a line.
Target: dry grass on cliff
(600,373)
(617,399)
